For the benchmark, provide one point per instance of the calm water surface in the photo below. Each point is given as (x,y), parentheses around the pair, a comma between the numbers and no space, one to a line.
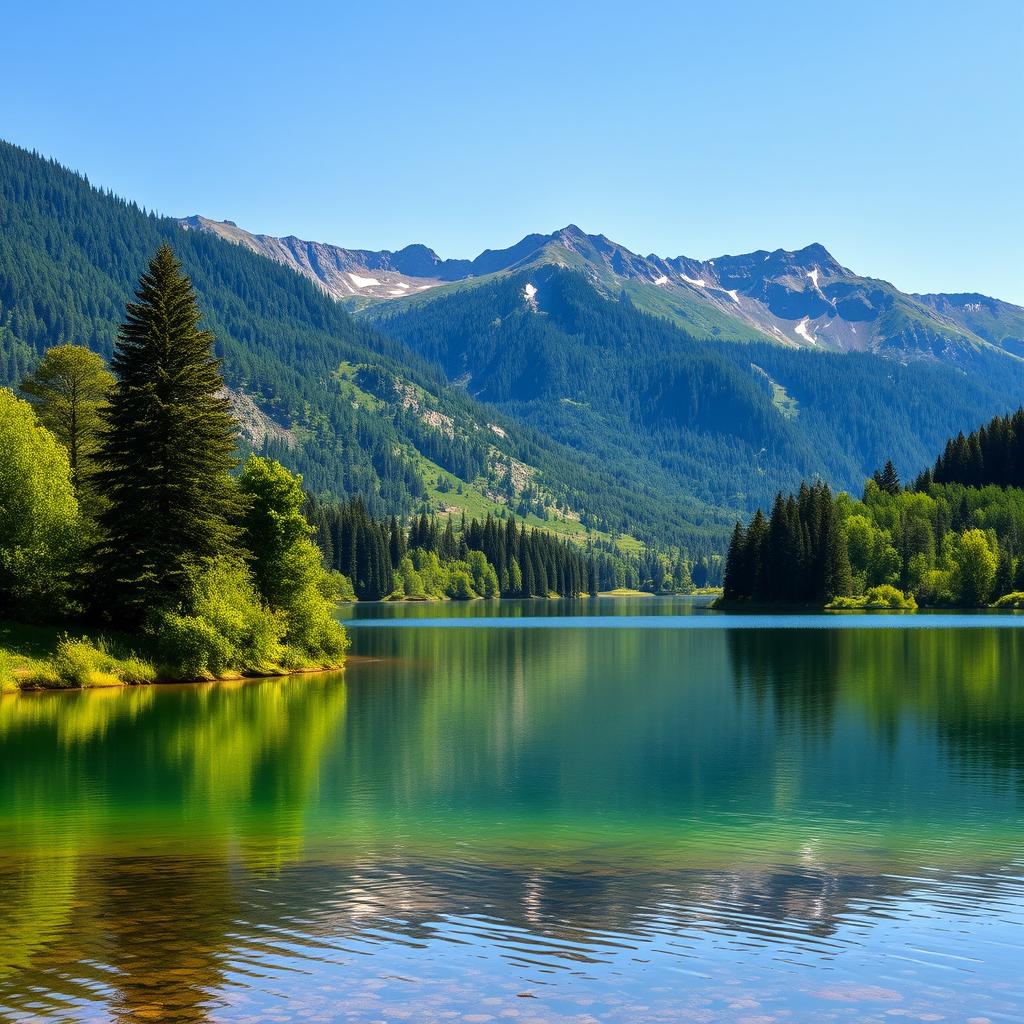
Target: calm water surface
(624,810)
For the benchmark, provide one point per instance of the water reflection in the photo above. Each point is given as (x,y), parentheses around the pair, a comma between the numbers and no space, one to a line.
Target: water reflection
(965,684)
(632,824)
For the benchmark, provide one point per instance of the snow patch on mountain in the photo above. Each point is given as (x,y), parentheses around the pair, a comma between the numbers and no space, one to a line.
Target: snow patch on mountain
(813,275)
(801,329)
(364,282)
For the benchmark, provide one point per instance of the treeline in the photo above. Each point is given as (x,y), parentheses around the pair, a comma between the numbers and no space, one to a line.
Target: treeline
(440,557)
(946,541)
(992,454)
(120,507)
(798,555)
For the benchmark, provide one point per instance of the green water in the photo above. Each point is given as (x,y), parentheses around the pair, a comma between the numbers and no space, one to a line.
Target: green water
(629,810)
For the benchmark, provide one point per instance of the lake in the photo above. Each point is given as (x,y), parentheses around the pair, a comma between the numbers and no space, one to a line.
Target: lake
(621,810)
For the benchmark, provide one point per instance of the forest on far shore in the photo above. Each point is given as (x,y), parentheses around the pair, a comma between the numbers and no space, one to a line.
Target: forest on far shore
(952,539)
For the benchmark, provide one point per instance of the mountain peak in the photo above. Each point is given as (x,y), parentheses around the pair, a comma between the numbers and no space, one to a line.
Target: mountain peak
(817,253)
(814,251)
(575,233)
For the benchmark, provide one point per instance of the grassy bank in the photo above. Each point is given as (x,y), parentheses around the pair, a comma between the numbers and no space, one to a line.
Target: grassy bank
(58,658)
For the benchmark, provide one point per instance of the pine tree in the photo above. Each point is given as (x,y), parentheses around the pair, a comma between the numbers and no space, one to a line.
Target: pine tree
(737,584)
(757,543)
(396,543)
(780,554)
(838,581)
(167,446)
(888,479)
(1004,571)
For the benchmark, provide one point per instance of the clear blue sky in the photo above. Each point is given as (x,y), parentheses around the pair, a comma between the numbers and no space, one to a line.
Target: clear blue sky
(889,131)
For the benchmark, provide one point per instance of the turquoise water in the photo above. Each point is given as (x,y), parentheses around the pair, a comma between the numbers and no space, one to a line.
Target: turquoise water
(622,810)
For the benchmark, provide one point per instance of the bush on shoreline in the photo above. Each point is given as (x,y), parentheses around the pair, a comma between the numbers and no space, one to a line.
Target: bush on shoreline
(76,663)
(880,598)
(81,662)
(221,626)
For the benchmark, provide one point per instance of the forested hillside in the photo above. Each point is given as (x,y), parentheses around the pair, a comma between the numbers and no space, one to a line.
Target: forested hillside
(730,423)
(69,257)
(534,392)
(355,412)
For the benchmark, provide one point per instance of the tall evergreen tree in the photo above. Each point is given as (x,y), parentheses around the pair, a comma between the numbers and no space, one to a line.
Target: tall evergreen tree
(837,575)
(737,583)
(166,449)
(757,544)
(888,479)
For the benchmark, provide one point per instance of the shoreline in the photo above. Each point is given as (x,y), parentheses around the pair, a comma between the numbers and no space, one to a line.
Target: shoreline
(820,609)
(241,677)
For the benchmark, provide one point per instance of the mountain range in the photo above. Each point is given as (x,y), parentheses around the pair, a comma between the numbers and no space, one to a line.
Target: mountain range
(805,299)
(719,379)
(565,379)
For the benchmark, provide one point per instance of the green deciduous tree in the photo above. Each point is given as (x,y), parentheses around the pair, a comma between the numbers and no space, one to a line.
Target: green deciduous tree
(287,565)
(38,514)
(408,582)
(68,390)
(974,569)
(167,447)
(273,525)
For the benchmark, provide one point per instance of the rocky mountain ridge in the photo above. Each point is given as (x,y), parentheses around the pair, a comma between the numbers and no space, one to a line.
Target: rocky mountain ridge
(803,298)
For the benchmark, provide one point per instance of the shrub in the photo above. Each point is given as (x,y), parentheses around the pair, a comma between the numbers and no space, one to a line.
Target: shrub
(222,593)
(78,663)
(7,679)
(82,663)
(42,676)
(887,596)
(346,592)
(222,626)
(1014,600)
(191,647)
(312,634)
(884,596)
(135,671)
